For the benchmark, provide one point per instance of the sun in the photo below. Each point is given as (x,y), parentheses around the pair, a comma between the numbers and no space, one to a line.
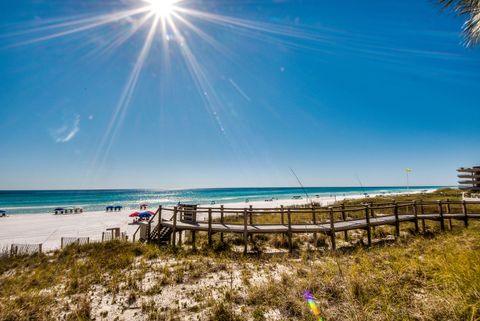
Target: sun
(162,8)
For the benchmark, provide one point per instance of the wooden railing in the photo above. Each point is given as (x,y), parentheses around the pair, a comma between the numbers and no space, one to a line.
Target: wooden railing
(150,220)
(336,218)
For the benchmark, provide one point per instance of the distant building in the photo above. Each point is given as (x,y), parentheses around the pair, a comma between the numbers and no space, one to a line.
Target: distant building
(469,181)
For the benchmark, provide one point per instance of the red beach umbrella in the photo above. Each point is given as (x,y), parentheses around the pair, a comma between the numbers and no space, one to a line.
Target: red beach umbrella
(134,214)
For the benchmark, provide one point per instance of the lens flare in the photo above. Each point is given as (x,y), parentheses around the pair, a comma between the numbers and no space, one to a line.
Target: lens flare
(312,304)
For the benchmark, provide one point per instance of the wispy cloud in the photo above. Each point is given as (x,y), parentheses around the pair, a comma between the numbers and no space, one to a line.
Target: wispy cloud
(68,131)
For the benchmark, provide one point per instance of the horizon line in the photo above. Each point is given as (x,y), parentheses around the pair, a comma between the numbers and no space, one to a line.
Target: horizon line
(213,188)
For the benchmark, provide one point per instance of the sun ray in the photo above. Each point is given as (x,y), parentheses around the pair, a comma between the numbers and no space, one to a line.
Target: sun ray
(206,91)
(122,38)
(95,23)
(122,106)
(204,36)
(268,28)
(165,43)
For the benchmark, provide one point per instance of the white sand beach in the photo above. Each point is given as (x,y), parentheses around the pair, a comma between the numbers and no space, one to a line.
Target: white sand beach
(48,229)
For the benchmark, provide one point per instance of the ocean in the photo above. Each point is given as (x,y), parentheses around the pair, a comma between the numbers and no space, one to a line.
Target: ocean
(27,202)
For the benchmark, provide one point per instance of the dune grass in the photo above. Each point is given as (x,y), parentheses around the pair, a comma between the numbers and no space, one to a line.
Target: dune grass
(420,279)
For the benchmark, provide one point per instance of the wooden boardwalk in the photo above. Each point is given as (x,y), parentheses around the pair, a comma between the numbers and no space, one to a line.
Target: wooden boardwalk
(168,223)
(308,228)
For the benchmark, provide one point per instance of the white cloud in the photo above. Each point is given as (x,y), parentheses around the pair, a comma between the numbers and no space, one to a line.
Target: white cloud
(68,131)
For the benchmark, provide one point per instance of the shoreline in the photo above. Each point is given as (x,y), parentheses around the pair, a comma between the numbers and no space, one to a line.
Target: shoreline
(48,229)
(45,201)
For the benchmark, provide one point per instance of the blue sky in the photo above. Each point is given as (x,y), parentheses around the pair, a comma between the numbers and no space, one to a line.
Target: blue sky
(332,89)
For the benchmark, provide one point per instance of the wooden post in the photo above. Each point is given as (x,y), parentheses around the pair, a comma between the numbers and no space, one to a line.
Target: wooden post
(245,232)
(174,229)
(250,219)
(367,218)
(221,221)
(149,226)
(289,235)
(372,213)
(159,224)
(314,218)
(448,212)
(193,233)
(442,222)
(250,215)
(194,239)
(40,247)
(397,220)
(209,227)
(332,229)
(61,242)
(423,212)
(344,217)
(282,213)
(465,214)
(415,214)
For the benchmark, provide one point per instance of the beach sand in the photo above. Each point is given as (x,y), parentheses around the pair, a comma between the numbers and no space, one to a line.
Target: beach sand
(48,229)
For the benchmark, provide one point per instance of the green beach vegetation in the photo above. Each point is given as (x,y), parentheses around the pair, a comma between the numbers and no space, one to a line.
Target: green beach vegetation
(430,276)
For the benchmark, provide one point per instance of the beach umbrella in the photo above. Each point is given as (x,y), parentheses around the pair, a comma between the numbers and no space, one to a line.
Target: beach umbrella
(134,214)
(145,214)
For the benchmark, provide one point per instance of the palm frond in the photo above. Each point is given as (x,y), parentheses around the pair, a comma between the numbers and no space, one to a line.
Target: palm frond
(471,9)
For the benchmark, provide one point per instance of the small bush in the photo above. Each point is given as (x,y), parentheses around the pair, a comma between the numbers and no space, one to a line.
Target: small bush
(221,312)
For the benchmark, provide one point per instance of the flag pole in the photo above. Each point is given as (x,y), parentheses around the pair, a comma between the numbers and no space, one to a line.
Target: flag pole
(408,171)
